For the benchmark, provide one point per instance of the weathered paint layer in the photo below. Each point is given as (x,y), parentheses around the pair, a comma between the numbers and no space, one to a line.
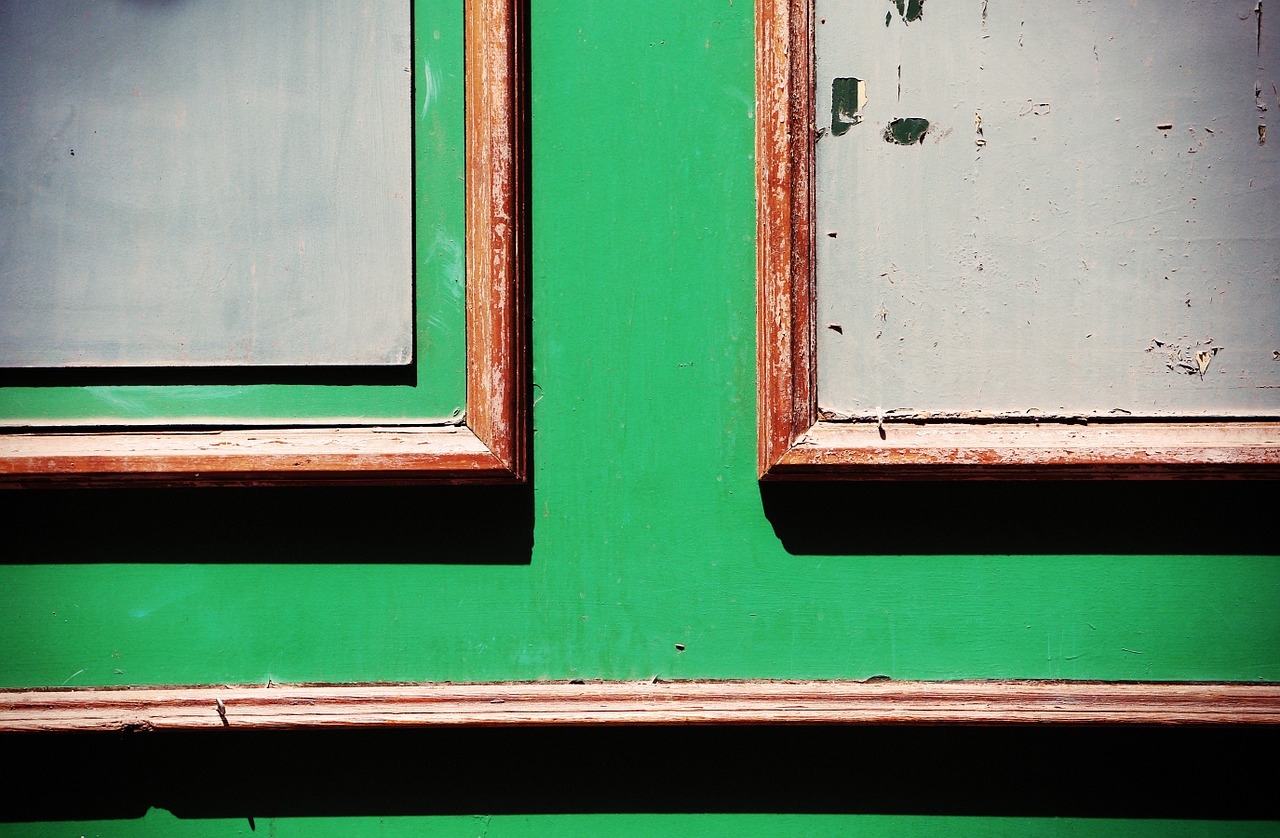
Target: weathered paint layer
(1041,250)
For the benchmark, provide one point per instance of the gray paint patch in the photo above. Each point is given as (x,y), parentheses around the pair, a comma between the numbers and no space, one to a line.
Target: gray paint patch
(205,183)
(1026,254)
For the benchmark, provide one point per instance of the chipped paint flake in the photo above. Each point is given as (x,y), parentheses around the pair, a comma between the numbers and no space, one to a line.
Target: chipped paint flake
(906,131)
(909,10)
(848,98)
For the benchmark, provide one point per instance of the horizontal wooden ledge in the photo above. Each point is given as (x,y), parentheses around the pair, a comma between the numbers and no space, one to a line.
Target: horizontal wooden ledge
(1138,449)
(644,703)
(248,457)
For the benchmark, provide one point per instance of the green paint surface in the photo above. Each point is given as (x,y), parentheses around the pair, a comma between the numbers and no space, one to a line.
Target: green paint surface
(648,527)
(160,823)
(647,523)
(440,371)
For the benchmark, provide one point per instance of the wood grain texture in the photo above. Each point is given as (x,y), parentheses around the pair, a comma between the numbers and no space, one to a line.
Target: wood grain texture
(632,703)
(249,457)
(794,443)
(1135,450)
(496,307)
(490,448)
(786,374)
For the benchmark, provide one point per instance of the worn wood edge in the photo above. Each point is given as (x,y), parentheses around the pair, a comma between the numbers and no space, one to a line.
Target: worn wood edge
(785,317)
(639,703)
(1139,450)
(301,456)
(495,244)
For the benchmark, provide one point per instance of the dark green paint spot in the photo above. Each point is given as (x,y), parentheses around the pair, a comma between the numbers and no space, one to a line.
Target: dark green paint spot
(909,10)
(888,18)
(847,99)
(907,131)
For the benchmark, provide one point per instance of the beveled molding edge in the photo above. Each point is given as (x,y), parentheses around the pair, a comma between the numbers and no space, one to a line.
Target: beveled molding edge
(873,702)
(1138,450)
(490,448)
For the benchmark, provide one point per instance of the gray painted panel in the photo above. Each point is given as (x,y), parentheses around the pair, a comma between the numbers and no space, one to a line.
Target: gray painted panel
(1046,248)
(185,182)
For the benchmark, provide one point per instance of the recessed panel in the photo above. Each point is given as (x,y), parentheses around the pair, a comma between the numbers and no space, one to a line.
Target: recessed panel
(195,183)
(1029,208)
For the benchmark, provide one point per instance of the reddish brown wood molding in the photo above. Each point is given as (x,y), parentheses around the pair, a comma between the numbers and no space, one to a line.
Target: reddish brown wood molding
(489,448)
(786,382)
(630,703)
(497,320)
(795,443)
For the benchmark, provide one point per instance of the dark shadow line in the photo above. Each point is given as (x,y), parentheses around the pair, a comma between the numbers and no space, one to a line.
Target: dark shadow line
(1202,773)
(404,375)
(458,525)
(1024,517)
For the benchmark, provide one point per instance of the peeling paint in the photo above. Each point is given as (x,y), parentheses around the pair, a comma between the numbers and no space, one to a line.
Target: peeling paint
(1188,359)
(1107,153)
(909,10)
(848,98)
(906,131)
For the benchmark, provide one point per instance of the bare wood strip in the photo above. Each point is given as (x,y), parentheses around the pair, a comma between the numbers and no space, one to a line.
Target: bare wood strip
(614,703)
(784,213)
(1121,449)
(306,455)
(495,233)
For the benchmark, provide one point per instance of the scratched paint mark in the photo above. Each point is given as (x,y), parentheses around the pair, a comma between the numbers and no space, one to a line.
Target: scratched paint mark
(430,90)
(848,98)
(1257,11)
(906,131)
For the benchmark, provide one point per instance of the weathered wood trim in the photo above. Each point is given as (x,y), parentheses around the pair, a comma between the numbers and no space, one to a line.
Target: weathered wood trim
(795,444)
(249,457)
(1138,450)
(643,703)
(497,319)
(491,448)
(786,383)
